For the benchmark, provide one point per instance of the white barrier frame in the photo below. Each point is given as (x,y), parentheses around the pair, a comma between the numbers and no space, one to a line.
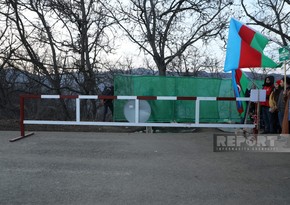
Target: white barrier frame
(136,123)
(127,124)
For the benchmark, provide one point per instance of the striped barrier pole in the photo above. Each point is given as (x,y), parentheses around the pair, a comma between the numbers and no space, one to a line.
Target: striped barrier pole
(136,123)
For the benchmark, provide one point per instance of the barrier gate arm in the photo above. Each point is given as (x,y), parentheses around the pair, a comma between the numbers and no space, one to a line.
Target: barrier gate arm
(136,123)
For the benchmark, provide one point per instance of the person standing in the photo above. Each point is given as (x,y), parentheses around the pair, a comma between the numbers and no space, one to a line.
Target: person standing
(273,103)
(108,103)
(282,101)
(265,107)
(286,117)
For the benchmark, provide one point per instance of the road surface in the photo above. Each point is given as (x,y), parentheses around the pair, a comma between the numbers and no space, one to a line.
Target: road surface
(136,168)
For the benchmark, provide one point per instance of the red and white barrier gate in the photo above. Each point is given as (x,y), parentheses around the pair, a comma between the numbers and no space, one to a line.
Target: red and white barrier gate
(77,98)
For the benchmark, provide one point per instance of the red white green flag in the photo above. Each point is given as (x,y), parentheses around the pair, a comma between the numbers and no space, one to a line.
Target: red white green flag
(245,50)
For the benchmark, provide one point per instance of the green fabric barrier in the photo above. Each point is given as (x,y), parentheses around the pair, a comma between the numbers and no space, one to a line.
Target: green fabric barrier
(179,110)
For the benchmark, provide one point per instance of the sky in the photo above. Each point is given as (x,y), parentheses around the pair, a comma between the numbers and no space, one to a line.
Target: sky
(125,48)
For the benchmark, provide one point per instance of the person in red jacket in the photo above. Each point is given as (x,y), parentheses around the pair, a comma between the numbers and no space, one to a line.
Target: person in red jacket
(265,107)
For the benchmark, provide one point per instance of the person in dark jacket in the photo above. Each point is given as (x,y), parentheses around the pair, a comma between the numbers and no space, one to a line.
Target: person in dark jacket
(265,107)
(273,102)
(108,103)
(286,116)
(281,99)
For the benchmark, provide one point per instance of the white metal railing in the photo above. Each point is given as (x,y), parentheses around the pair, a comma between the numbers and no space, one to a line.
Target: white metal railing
(78,121)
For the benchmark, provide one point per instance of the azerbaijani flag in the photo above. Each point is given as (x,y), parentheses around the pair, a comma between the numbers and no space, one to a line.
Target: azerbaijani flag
(244,50)
(240,84)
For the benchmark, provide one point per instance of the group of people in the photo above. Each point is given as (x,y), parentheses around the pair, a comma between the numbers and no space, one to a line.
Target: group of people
(275,110)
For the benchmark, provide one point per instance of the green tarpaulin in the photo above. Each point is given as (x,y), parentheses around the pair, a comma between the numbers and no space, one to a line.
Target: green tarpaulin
(178,111)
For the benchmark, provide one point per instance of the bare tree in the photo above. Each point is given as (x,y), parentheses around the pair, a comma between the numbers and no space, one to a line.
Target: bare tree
(89,35)
(189,63)
(165,29)
(213,66)
(272,15)
(38,51)
(7,77)
(87,25)
(59,38)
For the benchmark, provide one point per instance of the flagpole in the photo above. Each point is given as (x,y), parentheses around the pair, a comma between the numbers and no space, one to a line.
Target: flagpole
(284,75)
(287,48)
(252,81)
